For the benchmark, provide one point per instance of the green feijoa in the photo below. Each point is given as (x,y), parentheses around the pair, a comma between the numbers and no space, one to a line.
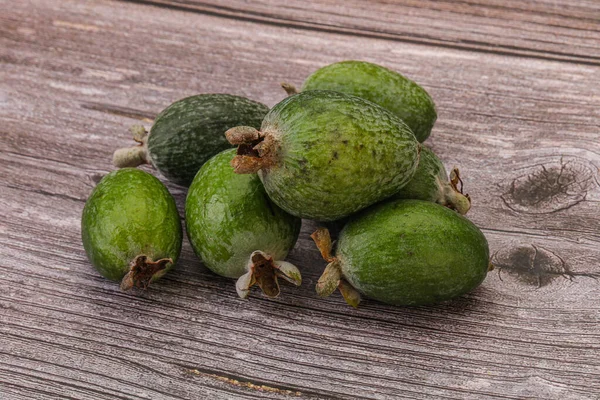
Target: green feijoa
(131,229)
(324,155)
(389,89)
(404,252)
(189,132)
(431,183)
(237,231)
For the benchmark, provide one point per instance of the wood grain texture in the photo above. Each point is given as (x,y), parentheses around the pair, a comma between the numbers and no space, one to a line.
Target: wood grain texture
(524,130)
(546,29)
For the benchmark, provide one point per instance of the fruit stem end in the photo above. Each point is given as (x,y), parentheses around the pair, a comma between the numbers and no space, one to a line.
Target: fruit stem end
(136,155)
(332,279)
(289,88)
(453,194)
(264,272)
(142,271)
(253,149)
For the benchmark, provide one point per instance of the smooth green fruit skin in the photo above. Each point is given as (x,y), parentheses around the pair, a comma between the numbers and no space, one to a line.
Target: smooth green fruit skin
(389,89)
(192,130)
(229,216)
(412,252)
(425,184)
(337,154)
(130,213)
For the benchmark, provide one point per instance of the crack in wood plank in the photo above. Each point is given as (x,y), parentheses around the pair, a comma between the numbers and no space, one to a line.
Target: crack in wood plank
(244,384)
(464,44)
(127,112)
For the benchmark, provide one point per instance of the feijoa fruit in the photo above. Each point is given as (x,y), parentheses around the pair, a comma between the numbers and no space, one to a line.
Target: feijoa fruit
(389,89)
(237,231)
(189,132)
(131,229)
(324,155)
(404,252)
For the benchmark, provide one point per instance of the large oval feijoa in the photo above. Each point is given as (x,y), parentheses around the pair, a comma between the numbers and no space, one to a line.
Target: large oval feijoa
(389,89)
(236,230)
(130,228)
(405,252)
(324,155)
(189,132)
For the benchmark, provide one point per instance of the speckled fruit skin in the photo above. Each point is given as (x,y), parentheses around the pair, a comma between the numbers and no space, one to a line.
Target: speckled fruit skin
(335,154)
(431,183)
(130,213)
(412,252)
(229,216)
(424,184)
(389,89)
(190,131)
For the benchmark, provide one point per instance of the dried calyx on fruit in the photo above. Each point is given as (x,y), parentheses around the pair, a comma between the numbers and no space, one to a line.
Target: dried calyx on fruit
(236,230)
(404,252)
(431,183)
(324,155)
(131,229)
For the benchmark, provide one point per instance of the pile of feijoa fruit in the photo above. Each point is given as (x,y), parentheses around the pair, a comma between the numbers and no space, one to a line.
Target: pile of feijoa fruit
(347,147)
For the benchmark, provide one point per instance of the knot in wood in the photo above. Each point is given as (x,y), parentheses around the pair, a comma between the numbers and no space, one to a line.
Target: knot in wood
(531,265)
(550,187)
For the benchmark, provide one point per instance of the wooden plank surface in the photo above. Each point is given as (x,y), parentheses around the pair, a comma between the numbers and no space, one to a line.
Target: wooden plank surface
(521,123)
(546,29)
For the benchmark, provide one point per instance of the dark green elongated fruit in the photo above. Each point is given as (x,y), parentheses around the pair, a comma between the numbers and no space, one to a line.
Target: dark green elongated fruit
(236,230)
(404,252)
(130,228)
(324,155)
(389,89)
(431,183)
(189,132)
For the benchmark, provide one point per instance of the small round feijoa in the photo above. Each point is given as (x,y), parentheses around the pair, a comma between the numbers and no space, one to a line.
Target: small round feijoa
(130,228)
(237,231)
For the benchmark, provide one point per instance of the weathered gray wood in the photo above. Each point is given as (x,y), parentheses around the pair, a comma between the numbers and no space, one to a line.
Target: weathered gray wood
(546,29)
(525,132)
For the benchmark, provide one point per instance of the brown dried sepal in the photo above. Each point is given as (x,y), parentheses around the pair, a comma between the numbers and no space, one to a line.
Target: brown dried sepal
(265,272)
(254,149)
(246,164)
(243,135)
(351,295)
(453,196)
(455,180)
(329,280)
(322,239)
(263,269)
(332,278)
(141,272)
